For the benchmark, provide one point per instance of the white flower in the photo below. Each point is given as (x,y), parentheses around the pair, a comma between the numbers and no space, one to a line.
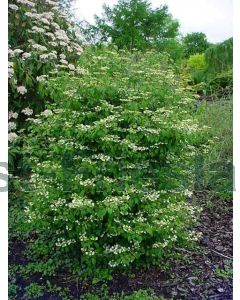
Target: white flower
(63,61)
(10,52)
(12,136)
(62,56)
(48,15)
(39,47)
(38,29)
(27,111)
(11,126)
(26,2)
(13,115)
(53,44)
(26,55)
(44,56)
(13,6)
(55,25)
(61,35)
(10,72)
(41,78)
(51,35)
(71,67)
(17,51)
(47,113)
(63,44)
(80,71)
(52,55)
(45,21)
(22,90)
(50,2)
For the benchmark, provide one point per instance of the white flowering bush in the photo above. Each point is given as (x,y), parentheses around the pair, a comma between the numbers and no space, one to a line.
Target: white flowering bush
(42,42)
(106,165)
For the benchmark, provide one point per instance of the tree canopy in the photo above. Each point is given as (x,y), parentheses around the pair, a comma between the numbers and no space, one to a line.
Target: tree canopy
(194,43)
(134,24)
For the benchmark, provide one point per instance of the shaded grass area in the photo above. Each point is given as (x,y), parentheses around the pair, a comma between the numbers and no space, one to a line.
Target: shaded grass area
(216,161)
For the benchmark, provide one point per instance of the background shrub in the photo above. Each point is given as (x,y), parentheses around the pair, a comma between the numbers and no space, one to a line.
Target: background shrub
(196,65)
(42,43)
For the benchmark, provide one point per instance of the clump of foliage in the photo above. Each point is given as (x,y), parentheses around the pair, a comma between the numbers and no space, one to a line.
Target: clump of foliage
(221,84)
(196,65)
(107,166)
(194,43)
(173,47)
(219,60)
(133,24)
(140,294)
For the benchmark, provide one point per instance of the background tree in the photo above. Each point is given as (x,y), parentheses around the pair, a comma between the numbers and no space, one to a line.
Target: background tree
(134,24)
(219,57)
(194,43)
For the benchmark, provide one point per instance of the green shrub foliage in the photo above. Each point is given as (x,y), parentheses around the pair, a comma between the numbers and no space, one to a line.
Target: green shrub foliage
(196,65)
(106,165)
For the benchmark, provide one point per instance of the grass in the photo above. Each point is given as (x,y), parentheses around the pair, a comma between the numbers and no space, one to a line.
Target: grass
(217,160)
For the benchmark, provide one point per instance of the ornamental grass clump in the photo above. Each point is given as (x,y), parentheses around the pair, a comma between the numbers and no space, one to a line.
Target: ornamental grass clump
(107,163)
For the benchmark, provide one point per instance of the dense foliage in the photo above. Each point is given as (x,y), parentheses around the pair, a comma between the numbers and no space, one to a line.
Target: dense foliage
(194,43)
(108,162)
(134,24)
(219,57)
(196,65)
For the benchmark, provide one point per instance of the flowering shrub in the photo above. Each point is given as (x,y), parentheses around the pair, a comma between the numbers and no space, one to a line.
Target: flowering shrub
(106,165)
(41,43)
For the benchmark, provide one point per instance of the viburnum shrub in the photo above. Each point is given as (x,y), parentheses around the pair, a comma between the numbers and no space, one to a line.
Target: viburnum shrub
(107,161)
(42,42)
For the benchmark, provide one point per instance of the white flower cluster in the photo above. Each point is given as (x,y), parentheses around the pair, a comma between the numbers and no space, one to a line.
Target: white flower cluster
(87,182)
(101,157)
(12,114)
(47,113)
(22,90)
(61,242)
(10,70)
(58,203)
(80,202)
(39,47)
(115,200)
(11,126)
(12,136)
(26,2)
(27,111)
(116,249)
(13,7)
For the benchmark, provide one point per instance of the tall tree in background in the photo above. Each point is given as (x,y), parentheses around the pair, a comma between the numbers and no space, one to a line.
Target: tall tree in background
(134,24)
(194,43)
